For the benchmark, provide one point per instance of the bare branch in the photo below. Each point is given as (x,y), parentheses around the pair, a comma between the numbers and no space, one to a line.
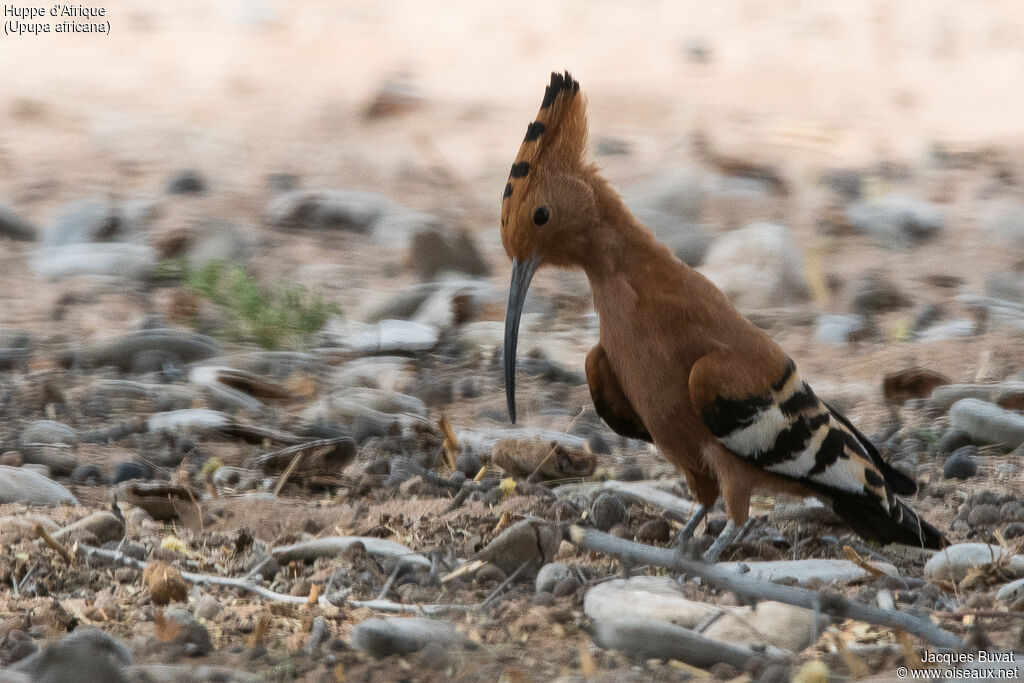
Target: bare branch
(828,602)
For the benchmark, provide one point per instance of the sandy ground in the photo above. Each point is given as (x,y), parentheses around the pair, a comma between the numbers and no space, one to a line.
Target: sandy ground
(239,90)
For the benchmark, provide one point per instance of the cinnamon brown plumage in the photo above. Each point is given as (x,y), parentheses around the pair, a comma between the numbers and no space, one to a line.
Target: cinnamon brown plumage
(676,364)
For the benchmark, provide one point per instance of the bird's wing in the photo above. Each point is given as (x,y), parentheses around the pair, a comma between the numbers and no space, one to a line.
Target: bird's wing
(760,408)
(611,404)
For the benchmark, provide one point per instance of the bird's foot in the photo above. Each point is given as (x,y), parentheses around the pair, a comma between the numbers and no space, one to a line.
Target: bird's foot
(686,533)
(730,534)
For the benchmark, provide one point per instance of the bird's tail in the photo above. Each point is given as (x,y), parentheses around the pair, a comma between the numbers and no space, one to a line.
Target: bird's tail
(866,515)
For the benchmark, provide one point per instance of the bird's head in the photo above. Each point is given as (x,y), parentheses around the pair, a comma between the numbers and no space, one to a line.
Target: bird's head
(548,209)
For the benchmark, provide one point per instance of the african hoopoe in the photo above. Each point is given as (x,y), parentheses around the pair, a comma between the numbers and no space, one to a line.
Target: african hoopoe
(676,364)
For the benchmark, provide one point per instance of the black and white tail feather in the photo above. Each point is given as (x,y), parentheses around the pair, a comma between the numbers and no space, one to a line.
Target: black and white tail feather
(790,432)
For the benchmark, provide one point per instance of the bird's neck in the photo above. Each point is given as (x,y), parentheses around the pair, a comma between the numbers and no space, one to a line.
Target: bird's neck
(626,259)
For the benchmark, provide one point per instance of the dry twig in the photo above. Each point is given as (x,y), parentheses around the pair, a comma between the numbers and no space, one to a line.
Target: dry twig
(830,603)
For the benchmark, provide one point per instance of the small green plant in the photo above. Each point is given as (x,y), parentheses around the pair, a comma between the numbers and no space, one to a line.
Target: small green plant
(272,317)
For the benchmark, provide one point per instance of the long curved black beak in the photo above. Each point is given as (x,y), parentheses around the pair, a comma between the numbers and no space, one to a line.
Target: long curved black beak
(522,273)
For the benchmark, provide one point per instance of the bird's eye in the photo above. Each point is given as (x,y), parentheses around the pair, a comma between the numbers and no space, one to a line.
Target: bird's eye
(541,215)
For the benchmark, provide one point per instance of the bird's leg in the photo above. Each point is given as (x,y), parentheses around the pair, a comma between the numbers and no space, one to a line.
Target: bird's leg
(730,534)
(686,533)
(723,541)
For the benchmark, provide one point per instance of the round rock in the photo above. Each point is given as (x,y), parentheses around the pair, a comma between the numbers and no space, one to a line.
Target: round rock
(607,511)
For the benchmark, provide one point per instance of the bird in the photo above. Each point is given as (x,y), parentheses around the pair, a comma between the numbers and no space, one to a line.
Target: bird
(676,364)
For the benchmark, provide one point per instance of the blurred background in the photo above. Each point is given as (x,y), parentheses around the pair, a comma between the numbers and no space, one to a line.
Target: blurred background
(881,139)
(216,182)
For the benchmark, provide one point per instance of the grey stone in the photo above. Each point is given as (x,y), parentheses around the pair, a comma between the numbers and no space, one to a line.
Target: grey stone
(896,220)
(839,330)
(875,292)
(988,423)
(13,226)
(398,636)
(395,229)
(22,485)
(758,266)
(348,210)
(951,329)
(1009,227)
(105,526)
(386,336)
(551,574)
(192,639)
(216,240)
(953,562)
(208,608)
(87,655)
(186,181)
(114,259)
(961,465)
(1006,285)
(952,440)
(434,251)
(803,571)
(607,511)
(528,542)
(945,396)
(49,432)
(85,220)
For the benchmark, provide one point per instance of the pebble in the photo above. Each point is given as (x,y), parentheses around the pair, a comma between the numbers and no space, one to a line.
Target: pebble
(236,478)
(49,432)
(468,464)
(22,485)
(896,220)
(186,181)
(395,228)
(385,336)
(953,563)
(953,440)
(946,396)
(87,655)
(118,259)
(402,635)
(875,292)
(607,511)
(630,473)
(983,516)
(105,526)
(82,221)
(433,252)
(1013,530)
(757,267)
(15,227)
(839,330)
(348,210)
(551,574)
(531,542)
(566,587)
(962,464)
(661,640)
(192,639)
(121,352)
(331,546)
(988,423)
(125,471)
(655,530)
(805,571)
(1009,227)
(12,459)
(216,240)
